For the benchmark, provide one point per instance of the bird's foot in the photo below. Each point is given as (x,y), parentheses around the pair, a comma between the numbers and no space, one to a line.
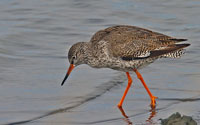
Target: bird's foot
(153,101)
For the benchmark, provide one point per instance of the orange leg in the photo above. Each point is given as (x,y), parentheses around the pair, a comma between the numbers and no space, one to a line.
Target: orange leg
(127,88)
(153,98)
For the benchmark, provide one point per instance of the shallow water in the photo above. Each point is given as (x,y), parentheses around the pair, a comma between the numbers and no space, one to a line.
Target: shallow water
(34,40)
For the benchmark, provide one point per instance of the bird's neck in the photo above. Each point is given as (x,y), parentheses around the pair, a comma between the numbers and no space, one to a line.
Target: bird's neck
(88,53)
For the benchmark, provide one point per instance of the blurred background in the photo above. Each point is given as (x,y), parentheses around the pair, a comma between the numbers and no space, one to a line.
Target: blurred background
(35,36)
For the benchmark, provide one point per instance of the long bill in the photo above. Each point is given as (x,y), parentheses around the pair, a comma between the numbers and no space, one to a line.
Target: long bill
(71,67)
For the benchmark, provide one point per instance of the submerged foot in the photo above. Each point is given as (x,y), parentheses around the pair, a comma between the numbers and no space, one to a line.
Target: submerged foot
(122,111)
(153,101)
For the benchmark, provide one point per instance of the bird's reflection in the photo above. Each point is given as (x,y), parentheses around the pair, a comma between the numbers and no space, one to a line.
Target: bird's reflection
(149,120)
(152,114)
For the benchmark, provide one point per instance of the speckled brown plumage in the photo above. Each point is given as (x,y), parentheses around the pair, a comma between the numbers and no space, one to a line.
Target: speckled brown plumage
(132,41)
(125,48)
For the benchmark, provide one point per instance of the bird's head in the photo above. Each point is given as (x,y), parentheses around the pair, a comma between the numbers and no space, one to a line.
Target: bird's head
(76,57)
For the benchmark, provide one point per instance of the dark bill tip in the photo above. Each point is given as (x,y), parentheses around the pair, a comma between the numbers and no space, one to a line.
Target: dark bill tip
(66,76)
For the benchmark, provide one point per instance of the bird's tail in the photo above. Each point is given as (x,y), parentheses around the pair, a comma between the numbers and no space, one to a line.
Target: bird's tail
(172,51)
(175,54)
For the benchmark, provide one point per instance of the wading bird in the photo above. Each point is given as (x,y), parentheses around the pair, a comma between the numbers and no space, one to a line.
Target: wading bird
(125,48)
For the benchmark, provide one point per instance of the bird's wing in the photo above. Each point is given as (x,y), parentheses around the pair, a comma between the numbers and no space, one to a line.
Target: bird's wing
(172,50)
(134,42)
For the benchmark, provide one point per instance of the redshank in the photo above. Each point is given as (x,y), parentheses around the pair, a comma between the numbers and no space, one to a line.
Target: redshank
(125,48)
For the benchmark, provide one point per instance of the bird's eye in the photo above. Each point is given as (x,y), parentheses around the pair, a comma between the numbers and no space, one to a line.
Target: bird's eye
(74,57)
